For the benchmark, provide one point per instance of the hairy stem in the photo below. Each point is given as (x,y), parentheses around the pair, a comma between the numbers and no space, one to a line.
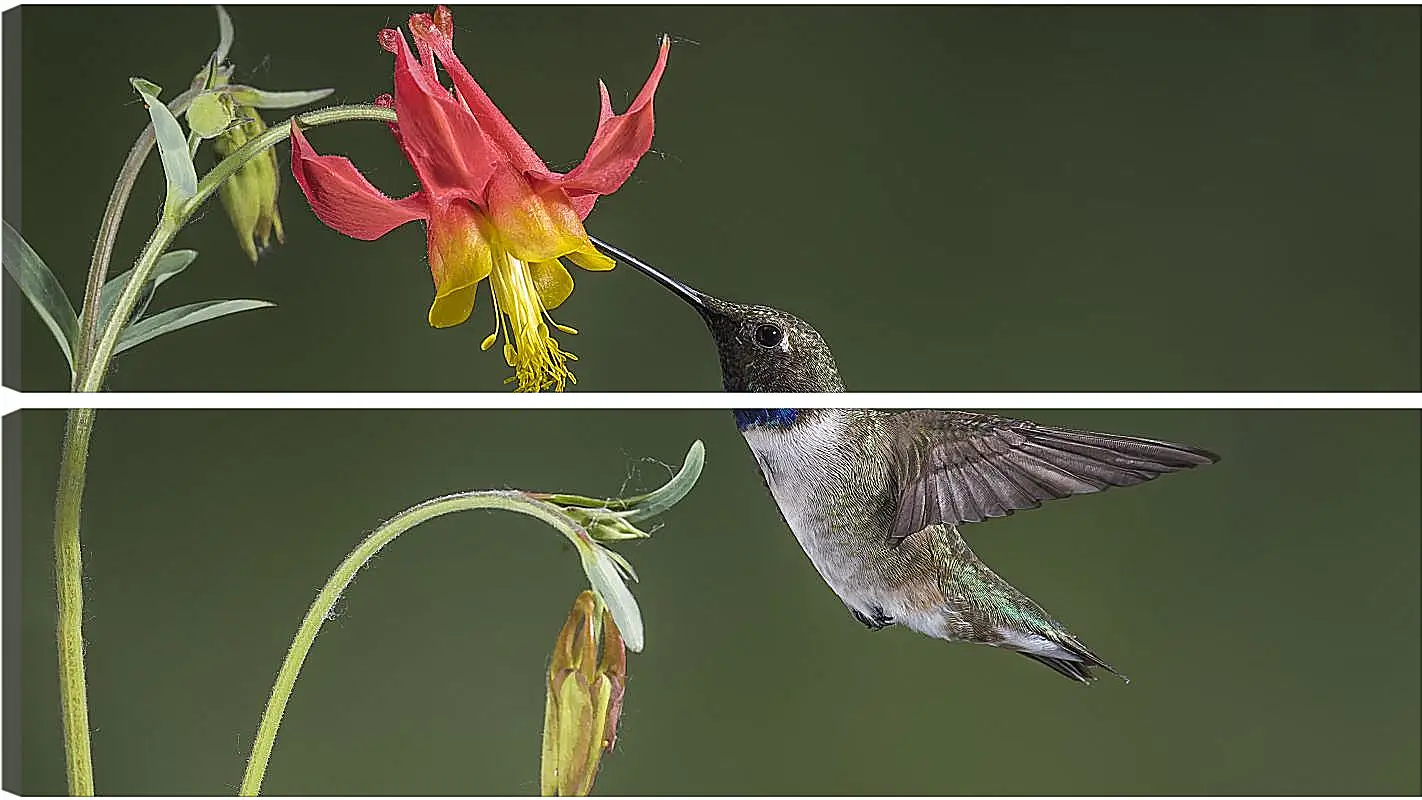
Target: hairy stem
(320,609)
(68,574)
(92,362)
(91,376)
(91,373)
(271,136)
(108,231)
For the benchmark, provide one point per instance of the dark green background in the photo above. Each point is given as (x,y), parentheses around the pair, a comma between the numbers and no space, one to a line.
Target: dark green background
(1265,607)
(959,198)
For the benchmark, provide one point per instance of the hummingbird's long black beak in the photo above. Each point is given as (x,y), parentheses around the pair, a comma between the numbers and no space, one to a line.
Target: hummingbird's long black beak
(697,300)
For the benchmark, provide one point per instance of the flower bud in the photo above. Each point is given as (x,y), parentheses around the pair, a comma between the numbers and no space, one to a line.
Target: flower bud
(587,676)
(250,195)
(605,526)
(210,114)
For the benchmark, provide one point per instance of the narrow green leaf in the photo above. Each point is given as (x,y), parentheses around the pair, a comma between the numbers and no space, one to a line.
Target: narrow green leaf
(224,35)
(43,290)
(647,505)
(260,98)
(650,505)
(602,575)
(172,144)
(623,565)
(181,317)
(581,501)
(169,264)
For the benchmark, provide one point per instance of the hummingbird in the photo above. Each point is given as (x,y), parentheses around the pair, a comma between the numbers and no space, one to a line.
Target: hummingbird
(877,498)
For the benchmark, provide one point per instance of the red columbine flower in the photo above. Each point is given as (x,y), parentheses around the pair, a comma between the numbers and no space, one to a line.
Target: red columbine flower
(491,207)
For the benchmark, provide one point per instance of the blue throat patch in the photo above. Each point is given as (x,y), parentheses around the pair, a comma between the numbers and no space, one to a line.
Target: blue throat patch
(772,417)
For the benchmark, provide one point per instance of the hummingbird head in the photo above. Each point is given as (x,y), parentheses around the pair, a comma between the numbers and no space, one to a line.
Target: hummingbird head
(762,349)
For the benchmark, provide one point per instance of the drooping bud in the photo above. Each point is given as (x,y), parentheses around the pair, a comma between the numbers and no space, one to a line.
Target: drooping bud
(250,195)
(587,676)
(210,114)
(605,526)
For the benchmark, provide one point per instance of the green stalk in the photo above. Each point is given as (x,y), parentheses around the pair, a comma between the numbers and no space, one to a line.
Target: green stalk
(74,457)
(517,502)
(91,375)
(109,226)
(92,363)
(68,574)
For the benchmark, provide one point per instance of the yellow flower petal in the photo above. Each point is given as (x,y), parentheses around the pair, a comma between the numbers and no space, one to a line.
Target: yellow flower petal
(453,308)
(460,257)
(590,258)
(552,281)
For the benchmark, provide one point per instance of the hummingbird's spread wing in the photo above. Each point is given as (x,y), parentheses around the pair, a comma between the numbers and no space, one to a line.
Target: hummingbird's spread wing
(954,466)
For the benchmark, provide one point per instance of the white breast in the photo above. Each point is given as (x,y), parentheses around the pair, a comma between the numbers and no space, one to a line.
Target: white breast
(800,466)
(793,462)
(808,470)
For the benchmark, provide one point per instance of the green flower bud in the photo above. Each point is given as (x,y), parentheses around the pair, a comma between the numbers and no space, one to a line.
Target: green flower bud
(605,526)
(584,700)
(250,195)
(210,114)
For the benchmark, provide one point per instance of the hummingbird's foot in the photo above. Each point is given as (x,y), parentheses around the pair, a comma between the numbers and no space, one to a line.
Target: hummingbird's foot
(875,620)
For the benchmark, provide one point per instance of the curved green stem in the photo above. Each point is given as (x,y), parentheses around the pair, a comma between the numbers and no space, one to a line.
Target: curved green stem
(91,365)
(109,226)
(91,373)
(277,133)
(517,502)
(68,575)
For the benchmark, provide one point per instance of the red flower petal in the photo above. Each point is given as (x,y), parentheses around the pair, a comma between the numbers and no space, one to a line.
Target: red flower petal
(441,139)
(342,197)
(582,203)
(621,139)
(442,20)
(437,34)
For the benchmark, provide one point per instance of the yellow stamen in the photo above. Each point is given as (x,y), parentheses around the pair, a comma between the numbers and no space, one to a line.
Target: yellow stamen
(538,362)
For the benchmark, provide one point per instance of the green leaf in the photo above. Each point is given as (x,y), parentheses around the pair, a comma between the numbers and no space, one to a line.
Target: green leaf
(605,580)
(650,505)
(647,505)
(260,98)
(623,565)
(169,264)
(43,290)
(224,35)
(181,317)
(214,75)
(172,144)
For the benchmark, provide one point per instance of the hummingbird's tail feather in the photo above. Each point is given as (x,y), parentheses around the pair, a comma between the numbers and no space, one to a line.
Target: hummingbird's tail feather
(1075,670)
(992,611)
(1047,642)
(1071,658)
(1087,658)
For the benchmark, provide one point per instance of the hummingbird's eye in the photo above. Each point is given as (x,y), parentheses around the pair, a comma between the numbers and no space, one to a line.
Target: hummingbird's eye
(768,335)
